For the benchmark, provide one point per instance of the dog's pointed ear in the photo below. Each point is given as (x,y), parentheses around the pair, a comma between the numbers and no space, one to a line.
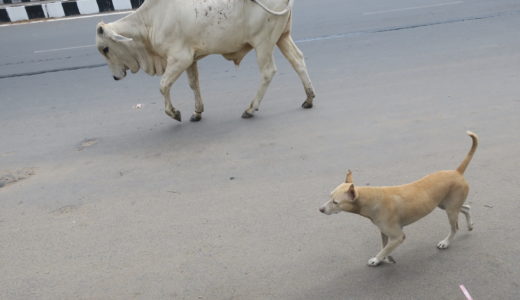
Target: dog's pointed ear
(352,192)
(349,177)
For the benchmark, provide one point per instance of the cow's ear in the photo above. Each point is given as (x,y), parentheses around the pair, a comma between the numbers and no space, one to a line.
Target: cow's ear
(107,31)
(116,37)
(119,38)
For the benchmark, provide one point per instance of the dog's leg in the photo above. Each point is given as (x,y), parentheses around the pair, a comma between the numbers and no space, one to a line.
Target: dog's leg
(453,215)
(465,210)
(395,238)
(388,259)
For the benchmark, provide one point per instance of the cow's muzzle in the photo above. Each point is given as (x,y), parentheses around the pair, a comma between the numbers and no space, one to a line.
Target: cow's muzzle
(120,76)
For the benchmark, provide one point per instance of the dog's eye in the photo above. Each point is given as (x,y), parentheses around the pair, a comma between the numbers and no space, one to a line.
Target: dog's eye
(105,50)
(335,202)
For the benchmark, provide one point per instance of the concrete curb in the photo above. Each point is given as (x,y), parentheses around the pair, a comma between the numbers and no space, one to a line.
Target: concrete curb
(17,1)
(31,10)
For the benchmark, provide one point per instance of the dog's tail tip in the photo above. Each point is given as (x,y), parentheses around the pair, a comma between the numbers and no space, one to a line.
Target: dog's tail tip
(474,137)
(471,133)
(465,162)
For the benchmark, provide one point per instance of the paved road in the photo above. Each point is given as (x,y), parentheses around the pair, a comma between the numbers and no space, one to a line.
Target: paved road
(113,202)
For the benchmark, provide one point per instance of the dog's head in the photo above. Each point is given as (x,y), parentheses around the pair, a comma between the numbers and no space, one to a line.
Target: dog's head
(342,198)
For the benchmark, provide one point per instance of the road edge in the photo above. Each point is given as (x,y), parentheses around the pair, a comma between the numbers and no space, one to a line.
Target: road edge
(29,11)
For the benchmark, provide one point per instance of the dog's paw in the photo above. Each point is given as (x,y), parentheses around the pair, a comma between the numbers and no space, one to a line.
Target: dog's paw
(374,262)
(443,244)
(389,260)
(470,226)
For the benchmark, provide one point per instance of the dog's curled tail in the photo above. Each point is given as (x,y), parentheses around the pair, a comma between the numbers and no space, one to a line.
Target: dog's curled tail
(464,164)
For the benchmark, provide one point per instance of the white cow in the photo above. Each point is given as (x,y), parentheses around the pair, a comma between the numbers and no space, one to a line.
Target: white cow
(168,37)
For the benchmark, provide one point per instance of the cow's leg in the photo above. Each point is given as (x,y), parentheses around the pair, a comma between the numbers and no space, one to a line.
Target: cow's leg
(174,69)
(193,76)
(295,57)
(265,60)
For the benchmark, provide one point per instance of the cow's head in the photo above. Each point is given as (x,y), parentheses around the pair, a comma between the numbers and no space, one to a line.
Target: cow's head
(117,50)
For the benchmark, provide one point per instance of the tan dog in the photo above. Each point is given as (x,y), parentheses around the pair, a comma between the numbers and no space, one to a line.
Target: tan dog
(391,208)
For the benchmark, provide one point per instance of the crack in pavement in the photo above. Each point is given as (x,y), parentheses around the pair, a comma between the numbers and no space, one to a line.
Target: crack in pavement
(8,178)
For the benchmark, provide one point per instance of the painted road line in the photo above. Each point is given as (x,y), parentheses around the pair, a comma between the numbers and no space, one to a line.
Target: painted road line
(411,8)
(63,49)
(333,36)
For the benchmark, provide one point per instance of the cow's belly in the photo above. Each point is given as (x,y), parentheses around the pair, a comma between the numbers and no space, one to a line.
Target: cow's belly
(208,47)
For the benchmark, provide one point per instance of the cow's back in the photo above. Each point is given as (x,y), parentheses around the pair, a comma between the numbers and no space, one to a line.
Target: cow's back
(212,26)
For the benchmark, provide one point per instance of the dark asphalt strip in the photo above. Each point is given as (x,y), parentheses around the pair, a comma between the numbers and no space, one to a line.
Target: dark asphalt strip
(51,71)
(407,27)
(305,40)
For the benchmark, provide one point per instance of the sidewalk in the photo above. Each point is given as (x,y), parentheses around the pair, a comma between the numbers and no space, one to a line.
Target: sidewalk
(23,10)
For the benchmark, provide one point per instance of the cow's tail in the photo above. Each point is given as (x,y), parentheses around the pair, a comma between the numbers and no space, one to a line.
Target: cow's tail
(465,162)
(276,13)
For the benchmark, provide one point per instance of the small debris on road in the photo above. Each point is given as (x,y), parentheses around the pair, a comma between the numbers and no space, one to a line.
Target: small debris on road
(67,209)
(86,143)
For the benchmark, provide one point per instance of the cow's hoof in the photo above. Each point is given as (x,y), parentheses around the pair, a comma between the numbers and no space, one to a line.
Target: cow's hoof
(247,115)
(307,104)
(195,117)
(175,115)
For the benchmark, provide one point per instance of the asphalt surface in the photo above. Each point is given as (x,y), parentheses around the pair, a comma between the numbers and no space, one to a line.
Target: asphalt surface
(103,200)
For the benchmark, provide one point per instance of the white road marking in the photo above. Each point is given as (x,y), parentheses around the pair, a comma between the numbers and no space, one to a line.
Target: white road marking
(65,18)
(63,49)
(127,12)
(411,8)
